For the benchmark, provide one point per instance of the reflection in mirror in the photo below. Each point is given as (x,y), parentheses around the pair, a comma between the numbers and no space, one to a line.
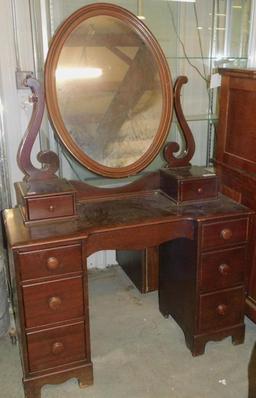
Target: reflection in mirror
(108,91)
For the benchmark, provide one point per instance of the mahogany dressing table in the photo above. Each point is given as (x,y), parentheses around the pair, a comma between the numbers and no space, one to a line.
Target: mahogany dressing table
(115,126)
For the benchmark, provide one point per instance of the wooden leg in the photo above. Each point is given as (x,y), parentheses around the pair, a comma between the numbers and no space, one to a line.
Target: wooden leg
(85,379)
(196,345)
(32,390)
(238,336)
(82,384)
(84,375)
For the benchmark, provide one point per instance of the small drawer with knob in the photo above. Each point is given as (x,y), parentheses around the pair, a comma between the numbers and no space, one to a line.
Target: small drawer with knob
(50,262)
(222,269)
(51,302)
(224,233)
(50,207)
(221,309)
(57,346)
(188,184)
(204,188)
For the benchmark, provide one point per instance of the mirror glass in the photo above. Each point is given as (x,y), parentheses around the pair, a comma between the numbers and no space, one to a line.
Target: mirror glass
(108,91)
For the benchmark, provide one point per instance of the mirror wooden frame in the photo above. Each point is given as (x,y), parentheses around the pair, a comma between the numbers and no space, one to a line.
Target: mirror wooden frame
(56,46)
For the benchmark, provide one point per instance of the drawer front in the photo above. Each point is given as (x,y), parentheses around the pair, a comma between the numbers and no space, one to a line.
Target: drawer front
(199,189)
(55,347)
(222,269)
(219,234)
(50,207)
(50,262)
(46,303)
(222,309)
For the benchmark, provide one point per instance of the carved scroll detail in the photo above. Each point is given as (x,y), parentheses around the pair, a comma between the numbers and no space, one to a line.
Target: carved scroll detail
(49,159)
(173,147)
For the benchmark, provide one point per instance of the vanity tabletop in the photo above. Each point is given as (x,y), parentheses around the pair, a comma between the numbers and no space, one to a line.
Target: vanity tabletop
(97,215)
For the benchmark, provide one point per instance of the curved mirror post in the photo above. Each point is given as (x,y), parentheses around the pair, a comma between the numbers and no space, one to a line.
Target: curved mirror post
(108,90)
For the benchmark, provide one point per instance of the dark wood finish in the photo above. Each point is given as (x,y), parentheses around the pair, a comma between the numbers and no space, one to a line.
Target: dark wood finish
(54,199)
(182,184)
(152,45)
(222,309)
(224,233)
(237,107)
(134,222)
(202,236)
(218,293)
(55,347)
(48,158)
(51,310)
(141,266)
(51,302)
(32,386)
(50,262)
(172,147)
(51,207)
(235,153)
(186,184)
(222,269)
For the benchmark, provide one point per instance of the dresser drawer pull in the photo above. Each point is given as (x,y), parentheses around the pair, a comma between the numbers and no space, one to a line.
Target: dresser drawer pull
(224,269)
(222,309)
(54,303)
(51,208)
(57,348)
(52,263)
(200,190)
(226,234)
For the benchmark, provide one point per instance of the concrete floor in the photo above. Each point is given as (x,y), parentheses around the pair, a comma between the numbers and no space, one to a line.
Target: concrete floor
(139,354)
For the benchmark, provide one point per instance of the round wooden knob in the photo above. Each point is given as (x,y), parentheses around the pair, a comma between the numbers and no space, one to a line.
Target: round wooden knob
(226,233)
(54,303)
(57,348)
(52,263)
(222,309)
(224,269)
(51,208)
(200,190)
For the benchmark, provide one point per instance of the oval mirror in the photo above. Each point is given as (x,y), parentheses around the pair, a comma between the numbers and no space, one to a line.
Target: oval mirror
(108,90)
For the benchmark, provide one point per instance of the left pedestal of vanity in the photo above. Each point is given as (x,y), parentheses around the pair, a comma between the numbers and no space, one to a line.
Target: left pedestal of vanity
(52,324)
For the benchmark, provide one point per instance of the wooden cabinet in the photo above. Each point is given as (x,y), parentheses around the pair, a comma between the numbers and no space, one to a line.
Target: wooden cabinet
(204,290)
(53,315)
(203,247)
(235,153)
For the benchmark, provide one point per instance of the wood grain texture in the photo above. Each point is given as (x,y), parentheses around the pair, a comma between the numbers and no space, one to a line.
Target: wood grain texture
(52,286)
(52,302)
(53,261)
(235,154)
(57,346)
(223,268)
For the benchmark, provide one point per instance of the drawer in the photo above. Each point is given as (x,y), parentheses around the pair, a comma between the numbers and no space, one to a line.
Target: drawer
(218,234)
(55,301)
(56,347)
(50,262)
(50,207)
(222,269)
(222,309)
(198,189)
